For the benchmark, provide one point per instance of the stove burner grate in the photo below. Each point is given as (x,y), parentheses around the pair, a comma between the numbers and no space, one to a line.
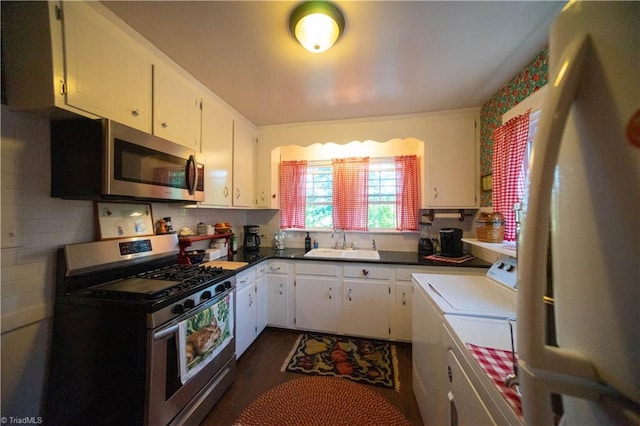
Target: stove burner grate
(178,277)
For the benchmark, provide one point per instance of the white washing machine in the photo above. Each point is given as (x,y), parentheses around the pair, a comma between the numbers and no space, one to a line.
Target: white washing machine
(491,298)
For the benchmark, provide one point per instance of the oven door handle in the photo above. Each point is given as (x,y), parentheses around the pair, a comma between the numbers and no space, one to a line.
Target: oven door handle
(165,332)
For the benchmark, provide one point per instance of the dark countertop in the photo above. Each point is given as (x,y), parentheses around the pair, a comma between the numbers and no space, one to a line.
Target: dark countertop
(386,257)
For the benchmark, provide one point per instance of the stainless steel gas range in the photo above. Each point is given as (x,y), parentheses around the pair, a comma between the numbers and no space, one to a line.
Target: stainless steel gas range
(138,339)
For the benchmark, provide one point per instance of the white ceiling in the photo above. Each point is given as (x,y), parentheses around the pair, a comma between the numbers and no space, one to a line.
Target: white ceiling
(394,57)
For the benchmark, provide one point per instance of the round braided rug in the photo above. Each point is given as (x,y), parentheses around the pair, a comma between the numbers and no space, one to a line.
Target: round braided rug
(321,401)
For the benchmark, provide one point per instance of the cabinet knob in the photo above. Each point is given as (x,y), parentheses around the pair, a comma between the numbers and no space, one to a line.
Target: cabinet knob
(164,125)
(435,192)
(225,192)
(135,112)
(365,272)
(273,196)
(281,285)
(237,193)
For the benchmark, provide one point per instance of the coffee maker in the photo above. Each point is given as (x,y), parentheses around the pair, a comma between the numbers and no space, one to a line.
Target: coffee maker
(451,242)
(251,237)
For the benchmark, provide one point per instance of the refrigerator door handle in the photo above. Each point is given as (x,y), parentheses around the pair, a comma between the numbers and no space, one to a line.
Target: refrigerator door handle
(553,367)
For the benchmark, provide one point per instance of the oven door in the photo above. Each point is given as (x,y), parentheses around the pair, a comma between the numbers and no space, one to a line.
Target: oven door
(191,362)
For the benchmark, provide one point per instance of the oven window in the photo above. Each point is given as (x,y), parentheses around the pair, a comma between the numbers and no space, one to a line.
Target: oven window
(135,163)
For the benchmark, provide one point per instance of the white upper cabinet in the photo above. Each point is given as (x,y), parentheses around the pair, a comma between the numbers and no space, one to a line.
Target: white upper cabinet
(69,56)
(243,163)
(176,110)
(452,161)
(217,147)
(107,74)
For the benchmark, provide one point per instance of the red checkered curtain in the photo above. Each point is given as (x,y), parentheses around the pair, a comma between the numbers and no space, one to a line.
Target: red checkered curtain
(407,192)
(351,194)
(293,195)
(509,144)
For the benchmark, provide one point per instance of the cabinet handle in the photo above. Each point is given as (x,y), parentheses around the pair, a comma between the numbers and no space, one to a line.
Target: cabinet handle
(281,286)
(164,125)
(250,300)
(237,193)
(330,292)
(273,196)
(435,192)
(274,268)
(349,295)
(404,298)
(262,196)
(365,272)
(225,192)
(135,112)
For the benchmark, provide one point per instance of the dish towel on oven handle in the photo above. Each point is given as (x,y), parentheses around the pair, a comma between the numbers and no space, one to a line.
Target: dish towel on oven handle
(203,336)
(497,364)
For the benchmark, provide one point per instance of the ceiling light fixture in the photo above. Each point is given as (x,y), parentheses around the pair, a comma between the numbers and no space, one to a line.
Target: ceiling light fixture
(316,25)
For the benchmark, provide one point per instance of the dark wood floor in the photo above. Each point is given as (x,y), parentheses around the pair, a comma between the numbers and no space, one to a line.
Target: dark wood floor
(259,371)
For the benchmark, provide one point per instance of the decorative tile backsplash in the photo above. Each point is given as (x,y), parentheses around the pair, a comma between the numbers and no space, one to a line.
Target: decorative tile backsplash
(532,77)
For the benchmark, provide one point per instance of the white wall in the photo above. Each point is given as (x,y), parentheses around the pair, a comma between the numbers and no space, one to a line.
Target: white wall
(33,225)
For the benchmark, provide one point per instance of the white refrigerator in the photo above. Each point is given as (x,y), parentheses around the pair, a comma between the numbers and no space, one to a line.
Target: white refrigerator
(583,204)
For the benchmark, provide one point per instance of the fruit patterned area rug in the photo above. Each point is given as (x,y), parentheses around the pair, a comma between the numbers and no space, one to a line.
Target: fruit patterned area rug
(361,360)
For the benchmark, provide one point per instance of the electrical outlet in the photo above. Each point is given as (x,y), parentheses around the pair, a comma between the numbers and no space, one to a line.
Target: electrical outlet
(183,212)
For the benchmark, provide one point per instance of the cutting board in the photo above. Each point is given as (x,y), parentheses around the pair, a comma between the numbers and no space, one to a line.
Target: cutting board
(225,264)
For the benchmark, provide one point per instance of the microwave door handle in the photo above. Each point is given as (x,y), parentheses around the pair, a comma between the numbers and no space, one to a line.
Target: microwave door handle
(191,165)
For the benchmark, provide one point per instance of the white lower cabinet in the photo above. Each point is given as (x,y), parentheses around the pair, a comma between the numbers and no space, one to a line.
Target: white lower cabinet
(261,298)
(366,300)
(365,308)
(317,297)
(278,294)
(246,310)
(401,312)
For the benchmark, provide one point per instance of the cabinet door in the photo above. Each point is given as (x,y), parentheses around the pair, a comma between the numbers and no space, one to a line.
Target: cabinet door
(108,73)
(261,303)
(401,312)
(245,318)
(217,147)
(176,109)
(451,162)
(365,308)
(277,296)
(243,164)
(317,306)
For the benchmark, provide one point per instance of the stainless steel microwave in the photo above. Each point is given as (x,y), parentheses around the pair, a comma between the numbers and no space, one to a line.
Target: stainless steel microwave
(102,159)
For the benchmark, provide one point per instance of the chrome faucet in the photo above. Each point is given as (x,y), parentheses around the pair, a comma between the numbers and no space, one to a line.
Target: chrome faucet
(344,238)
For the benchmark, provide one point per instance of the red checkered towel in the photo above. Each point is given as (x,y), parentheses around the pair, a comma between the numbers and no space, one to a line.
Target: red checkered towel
(497,363)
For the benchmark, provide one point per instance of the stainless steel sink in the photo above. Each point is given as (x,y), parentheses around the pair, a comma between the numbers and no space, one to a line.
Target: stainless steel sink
(343,254)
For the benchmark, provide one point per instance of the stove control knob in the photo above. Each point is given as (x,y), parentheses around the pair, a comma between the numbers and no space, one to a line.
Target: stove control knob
(206,295)
(219,288)
(501,265)
(509,268)
(227,284)
(178,309)
(189,303)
